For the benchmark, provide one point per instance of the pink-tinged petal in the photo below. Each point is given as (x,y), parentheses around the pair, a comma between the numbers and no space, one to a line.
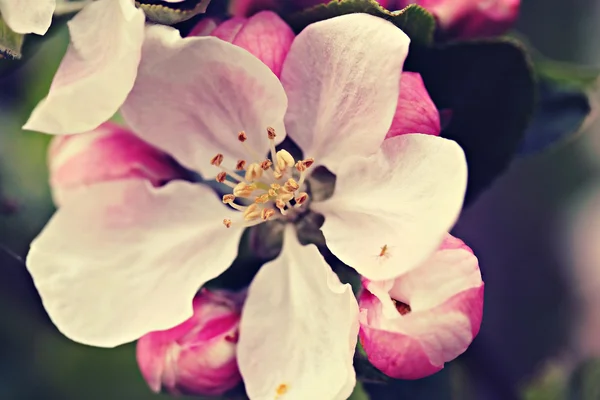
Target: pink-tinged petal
(198,356)
(28,16)
(298,329)
(121,259)
(407,196)
(96,73)
(439,309)
(265,35)
(415,112)
(205,27)
(107,153)
(246,8)
(193,96)
(342,79)
(471,18)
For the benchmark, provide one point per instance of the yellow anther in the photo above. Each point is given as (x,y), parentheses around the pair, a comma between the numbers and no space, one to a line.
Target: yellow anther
(265,165)
(300,167)
(228,198)
(275,186)
(227,222)
(277,174)
(291,185)
(284,160)
(301,198)
(267,213)
(241,165)
(242,137)
(242,189)
(252,212)
(263,198)
(221,176)
(280,204)
(254,172)
(271,133)
(272,193)
(217,160)
(284,196)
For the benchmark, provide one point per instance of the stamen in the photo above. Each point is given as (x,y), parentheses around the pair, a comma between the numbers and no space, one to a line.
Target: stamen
(242,189)
(277,174)
(262,199)
(221,176)
(242,137)
(284,160)
(271,133)
(308,162)
(301,199)
(305,165)
(241,165)
(285,196)
(227,223)
(252,212)
(265,165)
(291,185)
(272,193)
(228,198)
(217,160)
(254,172)
(267,213)
(280,204)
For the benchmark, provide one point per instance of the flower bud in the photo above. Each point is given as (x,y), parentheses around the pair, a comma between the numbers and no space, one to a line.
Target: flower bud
(197,357)
(107,153)
(413,324)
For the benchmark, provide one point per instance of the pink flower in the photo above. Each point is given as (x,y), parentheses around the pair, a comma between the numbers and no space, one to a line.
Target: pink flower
(106,154)
(411,325)
(219,109)
(470,18)
(28,16)
(197,356)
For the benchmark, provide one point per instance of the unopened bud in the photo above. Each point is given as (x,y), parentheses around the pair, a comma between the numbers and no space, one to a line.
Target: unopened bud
(197,357)
(254,172)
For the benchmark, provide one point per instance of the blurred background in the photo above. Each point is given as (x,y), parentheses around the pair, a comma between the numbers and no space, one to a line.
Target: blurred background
(540,333)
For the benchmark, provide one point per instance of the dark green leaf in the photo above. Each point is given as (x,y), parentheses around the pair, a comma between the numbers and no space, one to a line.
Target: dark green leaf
(415,21)
(10,42)
(488,88)
(585,381)
(560,113)
(166,13)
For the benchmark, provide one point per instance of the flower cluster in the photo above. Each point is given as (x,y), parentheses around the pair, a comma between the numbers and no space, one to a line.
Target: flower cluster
(260,114)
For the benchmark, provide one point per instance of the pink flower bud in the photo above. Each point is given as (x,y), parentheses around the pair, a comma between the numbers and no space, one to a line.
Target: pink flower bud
(265,35)
(470,18)
(197,357)
(413,324)
(107,153)
(415,112)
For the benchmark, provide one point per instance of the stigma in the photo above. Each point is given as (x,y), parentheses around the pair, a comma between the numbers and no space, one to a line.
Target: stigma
(263,189)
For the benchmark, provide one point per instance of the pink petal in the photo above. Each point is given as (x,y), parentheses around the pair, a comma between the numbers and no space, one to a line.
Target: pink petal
(121,259)
(407,197)
(415,112)
(445,296)
(205,27)
(97,71)
(265,35)
(28,16)
(246,8)
(193,96)
(108,153)
(298,329)
(342,80)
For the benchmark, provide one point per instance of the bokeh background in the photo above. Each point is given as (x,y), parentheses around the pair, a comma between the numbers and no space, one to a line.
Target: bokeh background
(537,341)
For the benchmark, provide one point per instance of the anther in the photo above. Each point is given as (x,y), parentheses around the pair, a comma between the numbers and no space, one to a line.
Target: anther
(300,167)
(285,197)
(221,176)
(280,204)
(228,198)
(284,160)
(227,222)
(301,198)
(272,193)
(241,165)
(267,213)
(242,137)
(277,174)
(242,189)
(275,186)
(271,133)
(252,212)
(291,185)
(263,198)
(217,160)
(254,172)
(308,162)
(265,165)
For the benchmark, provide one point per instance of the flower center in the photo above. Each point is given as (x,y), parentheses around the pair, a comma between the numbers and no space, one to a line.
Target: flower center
(264,189)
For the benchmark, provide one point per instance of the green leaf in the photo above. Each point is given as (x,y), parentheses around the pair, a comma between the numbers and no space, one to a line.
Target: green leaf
(10,42)
(365,371)
(414,20)
(487,88)
(166,13)
(585,381)
(359,393)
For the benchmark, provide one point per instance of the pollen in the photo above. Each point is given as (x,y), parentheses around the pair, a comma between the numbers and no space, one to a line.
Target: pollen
(263,189)
(282,389)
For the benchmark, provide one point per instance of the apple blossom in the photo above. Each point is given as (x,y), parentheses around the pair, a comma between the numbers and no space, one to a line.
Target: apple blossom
(197,356)
(413,324)
(220,109)
(28,16)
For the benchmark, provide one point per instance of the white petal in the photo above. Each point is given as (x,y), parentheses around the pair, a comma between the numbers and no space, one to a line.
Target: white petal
(407,197)
(342,77)
(97,71)
(121,259)
(298,329)
(193,96)
(28,16)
